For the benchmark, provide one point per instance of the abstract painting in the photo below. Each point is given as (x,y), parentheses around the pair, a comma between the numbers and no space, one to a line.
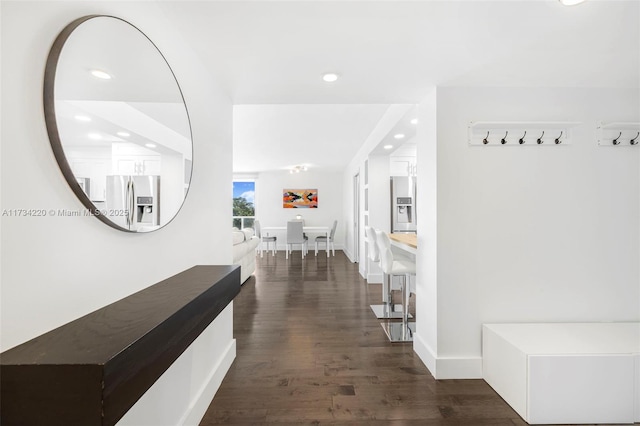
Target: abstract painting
(300,198)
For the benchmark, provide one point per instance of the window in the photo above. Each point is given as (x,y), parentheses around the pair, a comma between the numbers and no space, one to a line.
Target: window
(244,210)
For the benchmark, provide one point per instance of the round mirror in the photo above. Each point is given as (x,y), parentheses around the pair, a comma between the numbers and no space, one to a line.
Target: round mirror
(118,123)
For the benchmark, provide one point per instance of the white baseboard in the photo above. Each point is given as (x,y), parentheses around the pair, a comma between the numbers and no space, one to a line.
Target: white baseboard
(424,352)
(348,254)
(459,368)
(374,278)
(446,367)
(203,399)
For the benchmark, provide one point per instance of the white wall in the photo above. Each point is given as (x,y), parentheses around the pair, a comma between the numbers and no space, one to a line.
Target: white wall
(379,209)
(56,269)
(348,206)
(379,192)
(269,210)
(356,166)
(529,234)
(426,336)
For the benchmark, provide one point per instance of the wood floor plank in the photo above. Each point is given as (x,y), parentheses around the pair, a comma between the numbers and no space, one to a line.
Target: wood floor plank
(310,351)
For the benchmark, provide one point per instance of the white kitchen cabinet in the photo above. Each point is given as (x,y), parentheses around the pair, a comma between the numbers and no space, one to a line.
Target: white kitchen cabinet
(402,166)
(95,170)
(131,159)
(137,165)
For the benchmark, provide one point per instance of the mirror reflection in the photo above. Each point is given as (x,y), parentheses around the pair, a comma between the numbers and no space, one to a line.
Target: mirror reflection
(123,137)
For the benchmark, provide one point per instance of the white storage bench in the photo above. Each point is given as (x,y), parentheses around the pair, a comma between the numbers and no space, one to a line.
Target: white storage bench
(565,372)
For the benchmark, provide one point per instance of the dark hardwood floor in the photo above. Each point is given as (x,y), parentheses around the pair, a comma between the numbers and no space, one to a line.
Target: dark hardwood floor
(310,351)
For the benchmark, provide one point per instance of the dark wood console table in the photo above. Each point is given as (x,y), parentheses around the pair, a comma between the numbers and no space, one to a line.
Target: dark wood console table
(92,370)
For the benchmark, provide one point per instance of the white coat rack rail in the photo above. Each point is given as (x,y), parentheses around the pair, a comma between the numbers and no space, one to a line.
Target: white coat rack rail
(523,133)
(619,134)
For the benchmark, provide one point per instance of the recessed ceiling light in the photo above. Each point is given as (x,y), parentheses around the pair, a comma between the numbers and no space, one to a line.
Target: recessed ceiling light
(414,121)
(330,77)
(388,146)
(571,2)
(82,118)
(150,145)
(123,134)
(101,74)
(95,136)
(399,136)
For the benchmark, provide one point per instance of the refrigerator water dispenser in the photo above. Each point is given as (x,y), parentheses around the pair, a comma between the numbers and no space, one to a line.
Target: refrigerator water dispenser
(403,214)
(145,210)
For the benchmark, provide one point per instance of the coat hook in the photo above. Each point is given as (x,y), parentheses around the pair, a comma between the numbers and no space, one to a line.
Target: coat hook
(558,141)
(521,141)
(634,141)
(616,141)
(486,139)
(504,140)
(540,138)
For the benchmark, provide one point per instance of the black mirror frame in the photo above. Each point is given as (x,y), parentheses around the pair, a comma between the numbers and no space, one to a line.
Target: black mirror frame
(52,125)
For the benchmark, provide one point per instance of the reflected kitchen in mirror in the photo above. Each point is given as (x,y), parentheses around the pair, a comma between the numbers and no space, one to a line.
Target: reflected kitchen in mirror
(118,123)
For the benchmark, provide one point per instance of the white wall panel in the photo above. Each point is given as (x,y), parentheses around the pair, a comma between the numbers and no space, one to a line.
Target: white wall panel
(533,234)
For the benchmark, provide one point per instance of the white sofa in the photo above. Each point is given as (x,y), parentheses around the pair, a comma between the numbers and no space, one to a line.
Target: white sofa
(244,251)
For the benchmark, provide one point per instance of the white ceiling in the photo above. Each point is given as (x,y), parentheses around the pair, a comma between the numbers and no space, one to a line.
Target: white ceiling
(322,137)
(388,52)
(139,72)
(141,98)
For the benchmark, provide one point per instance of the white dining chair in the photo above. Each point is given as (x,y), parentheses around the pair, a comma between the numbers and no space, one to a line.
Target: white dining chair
(295,235)
(405,268)
(264,238)
(328,242)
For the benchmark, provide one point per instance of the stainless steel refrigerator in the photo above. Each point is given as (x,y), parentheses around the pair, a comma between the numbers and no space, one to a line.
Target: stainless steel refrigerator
(403,204)
(133,202)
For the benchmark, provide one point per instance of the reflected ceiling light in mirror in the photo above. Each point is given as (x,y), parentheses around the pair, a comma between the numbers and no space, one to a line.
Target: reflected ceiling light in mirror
(330,77)
(82,118)
(398,136)
(123,134)
(571,2)
(414,121)
(150,145)
(388,146)
(95,136)
(101,74)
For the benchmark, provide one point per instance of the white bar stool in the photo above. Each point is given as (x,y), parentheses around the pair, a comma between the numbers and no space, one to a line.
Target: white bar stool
(397,331)
(387,309)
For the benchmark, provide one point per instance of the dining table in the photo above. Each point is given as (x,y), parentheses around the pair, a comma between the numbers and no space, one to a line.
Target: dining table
(306,229)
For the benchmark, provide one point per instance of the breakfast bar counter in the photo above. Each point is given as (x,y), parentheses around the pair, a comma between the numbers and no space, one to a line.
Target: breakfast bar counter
(406,242)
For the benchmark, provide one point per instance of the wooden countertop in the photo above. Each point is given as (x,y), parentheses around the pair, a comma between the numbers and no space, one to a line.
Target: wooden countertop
(409,239)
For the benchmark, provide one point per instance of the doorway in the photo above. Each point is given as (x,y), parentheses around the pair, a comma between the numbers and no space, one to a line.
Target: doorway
(356,218)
